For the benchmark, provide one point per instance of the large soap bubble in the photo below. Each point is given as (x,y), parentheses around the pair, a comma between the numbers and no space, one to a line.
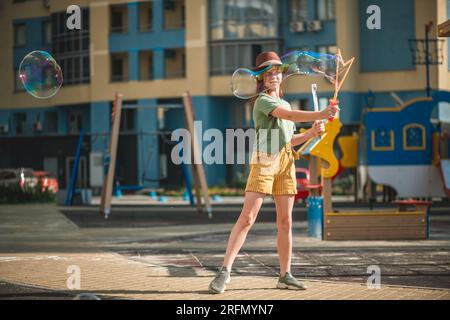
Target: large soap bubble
(40,74)
(313,64)
(244,82)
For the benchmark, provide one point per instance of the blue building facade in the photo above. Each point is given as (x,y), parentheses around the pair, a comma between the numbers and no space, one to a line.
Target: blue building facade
(144,148)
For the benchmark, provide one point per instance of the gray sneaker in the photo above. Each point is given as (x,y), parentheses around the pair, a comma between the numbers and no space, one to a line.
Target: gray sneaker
(218,285)
(289,282)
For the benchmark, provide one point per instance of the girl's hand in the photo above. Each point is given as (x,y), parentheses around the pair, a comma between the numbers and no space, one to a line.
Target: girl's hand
(317,128)
(331,110)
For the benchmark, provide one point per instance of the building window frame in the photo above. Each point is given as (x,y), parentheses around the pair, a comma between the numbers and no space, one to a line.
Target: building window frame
(20,35)
(71,48)
(51,121)
(406,130)
(179,23)
(226,56)
(46,32)
(18,85)
(75,121)
(325,10)
(223,18)
(145,12)
(298,10)
(174,54)
(123,27)
(375,147)
(20,123)
(327,49)
(114,58)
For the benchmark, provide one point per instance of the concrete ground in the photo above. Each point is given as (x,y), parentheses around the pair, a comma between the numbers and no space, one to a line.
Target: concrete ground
(170,252)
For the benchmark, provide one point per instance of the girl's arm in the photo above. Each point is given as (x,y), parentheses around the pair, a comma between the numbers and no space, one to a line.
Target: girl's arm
(299,138)
(304,116)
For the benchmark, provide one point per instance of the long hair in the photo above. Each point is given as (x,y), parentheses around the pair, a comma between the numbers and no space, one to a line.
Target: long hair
(259,89)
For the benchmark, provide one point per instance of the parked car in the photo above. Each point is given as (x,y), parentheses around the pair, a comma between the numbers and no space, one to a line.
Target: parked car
(48,181)
(21,177)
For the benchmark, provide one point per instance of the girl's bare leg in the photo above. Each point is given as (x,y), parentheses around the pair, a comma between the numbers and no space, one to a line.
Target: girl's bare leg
(284,205)
(252,204)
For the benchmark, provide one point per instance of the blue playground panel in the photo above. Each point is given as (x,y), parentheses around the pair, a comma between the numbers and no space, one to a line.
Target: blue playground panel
(393,123)
(311,145)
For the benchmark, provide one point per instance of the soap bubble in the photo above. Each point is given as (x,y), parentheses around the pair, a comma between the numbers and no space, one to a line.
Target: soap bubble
(40,74)
(313,64)
(244,82)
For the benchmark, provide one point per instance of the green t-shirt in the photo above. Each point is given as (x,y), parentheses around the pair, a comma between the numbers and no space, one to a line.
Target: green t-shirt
(266,138)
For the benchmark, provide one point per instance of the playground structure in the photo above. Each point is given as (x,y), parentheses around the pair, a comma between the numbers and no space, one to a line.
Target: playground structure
(400,148)
(109,164)
(404,150)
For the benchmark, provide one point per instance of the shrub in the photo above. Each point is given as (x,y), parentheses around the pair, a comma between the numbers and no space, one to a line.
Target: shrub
(16,194)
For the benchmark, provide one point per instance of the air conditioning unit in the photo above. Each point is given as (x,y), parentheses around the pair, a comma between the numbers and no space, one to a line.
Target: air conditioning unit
(314,25)
(46,3)
(37,126)
(4,128)
(297,26)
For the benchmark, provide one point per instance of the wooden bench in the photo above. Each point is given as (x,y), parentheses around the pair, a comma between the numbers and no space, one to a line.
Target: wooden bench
(377,225)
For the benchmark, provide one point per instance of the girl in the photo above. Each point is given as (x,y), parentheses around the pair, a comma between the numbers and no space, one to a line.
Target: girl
(272,169)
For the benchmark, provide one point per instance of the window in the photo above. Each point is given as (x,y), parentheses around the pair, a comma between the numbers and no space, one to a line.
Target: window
(300,104)
(51,121)
(46,32)
(414,137)
(127,119)
(146,65)
(20,120)
(298,10)
(382,139)
(71,48)
(325,9)
(18,85)
(174,14)
(119,18)
(225,58)
(175,63)
(145,16)
(303,105)
(119,67)
(75,121)
(20,35)
(243,19)
(327,49)
(234,20)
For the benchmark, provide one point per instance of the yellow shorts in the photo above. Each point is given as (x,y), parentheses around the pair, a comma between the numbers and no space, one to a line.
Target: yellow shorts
(273,173)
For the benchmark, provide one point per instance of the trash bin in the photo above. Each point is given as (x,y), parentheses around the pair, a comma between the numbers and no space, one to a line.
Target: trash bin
(315,217)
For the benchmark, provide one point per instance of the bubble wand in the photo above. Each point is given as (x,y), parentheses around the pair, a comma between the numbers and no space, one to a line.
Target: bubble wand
(338,84)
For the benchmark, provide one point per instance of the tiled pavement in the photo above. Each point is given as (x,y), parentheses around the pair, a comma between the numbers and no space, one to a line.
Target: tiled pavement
(38,244)
(111,274)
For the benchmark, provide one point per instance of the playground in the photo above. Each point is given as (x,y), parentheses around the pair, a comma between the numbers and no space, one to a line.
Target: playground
(144,116)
